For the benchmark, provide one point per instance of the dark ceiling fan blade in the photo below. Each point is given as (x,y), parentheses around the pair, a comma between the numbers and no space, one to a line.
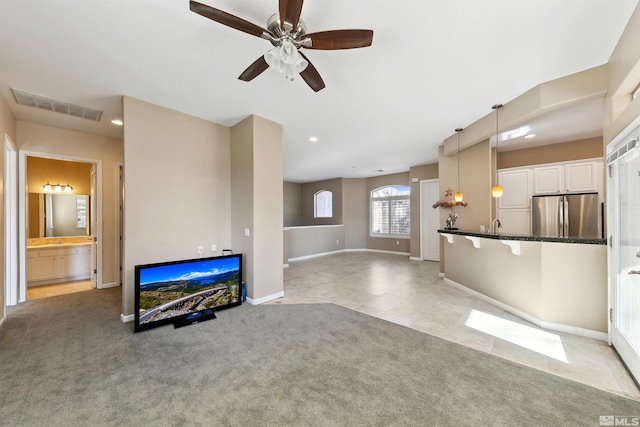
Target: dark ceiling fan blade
(311,76)
(290,11)
(227,19)
(340,39)
(254,70)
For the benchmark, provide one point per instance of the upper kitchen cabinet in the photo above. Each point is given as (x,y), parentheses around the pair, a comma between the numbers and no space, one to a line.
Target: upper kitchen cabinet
(516,186)
(581,176)
(570,177)
(548,179)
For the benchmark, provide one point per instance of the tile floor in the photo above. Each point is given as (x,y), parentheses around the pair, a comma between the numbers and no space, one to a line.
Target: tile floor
(412,294)
(44,291)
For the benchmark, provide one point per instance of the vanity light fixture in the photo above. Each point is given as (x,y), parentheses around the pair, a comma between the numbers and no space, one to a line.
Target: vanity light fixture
(117,122)
(57,188)
(458,196)
(496,190)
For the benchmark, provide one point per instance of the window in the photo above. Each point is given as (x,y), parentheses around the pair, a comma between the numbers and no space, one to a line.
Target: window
(390,211)
(322,204)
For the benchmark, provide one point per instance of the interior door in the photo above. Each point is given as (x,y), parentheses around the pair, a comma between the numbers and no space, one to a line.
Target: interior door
(429,218)
(624,265)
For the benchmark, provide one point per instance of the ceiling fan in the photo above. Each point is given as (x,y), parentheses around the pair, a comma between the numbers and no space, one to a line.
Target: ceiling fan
(287,33)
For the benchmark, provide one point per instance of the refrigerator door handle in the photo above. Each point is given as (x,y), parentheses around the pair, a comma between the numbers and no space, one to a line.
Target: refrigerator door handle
(565,228)
(560,217)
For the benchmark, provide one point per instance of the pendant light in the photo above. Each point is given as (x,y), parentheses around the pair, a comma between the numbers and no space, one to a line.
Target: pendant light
(496,190)
(459,196)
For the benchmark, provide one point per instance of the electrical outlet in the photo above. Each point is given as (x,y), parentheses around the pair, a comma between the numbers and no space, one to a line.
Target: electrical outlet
(214,248)
(200,249)
(247,232)
(397,242)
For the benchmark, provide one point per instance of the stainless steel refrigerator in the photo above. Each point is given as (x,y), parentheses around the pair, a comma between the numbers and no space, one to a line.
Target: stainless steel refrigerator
(567,215)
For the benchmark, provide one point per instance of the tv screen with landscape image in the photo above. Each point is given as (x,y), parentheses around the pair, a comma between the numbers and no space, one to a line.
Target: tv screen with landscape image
(187,291)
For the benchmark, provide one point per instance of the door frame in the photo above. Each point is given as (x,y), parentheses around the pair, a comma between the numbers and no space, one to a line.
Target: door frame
(96,191)
(629,358)
(10,222)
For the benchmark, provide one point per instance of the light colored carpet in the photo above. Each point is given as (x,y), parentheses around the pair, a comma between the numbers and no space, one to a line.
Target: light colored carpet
(69,361)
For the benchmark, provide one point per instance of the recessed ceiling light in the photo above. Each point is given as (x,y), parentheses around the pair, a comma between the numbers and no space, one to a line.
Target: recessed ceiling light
(313,139)
(117,122)
(531,135)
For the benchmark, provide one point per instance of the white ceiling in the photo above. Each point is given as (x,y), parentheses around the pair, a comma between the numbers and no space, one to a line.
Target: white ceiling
(433,66)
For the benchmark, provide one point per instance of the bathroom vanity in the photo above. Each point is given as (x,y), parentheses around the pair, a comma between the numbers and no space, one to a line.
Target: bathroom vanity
(58,262)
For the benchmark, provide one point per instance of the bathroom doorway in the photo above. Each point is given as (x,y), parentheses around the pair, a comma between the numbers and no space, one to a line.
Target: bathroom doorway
(59,231)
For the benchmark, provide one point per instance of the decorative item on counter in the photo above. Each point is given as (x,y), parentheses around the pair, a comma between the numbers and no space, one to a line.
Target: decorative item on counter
(450,222)
(449,202)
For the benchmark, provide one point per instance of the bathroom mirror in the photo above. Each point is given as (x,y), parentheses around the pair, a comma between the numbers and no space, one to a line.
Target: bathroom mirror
(58,215)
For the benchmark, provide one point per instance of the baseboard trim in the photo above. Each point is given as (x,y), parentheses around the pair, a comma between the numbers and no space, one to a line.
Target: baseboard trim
(558,327)
(380,251)
(300,258)
(415,258)
(127,317)
(108,285)
(320,254)
(268,298)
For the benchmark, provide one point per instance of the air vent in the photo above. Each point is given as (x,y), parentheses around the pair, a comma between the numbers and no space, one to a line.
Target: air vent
(56,105)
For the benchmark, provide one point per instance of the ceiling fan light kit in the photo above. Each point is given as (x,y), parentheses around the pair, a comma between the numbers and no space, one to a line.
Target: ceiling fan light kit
(287,33)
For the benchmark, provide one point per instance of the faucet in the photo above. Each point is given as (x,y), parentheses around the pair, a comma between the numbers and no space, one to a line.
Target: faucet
(493,229)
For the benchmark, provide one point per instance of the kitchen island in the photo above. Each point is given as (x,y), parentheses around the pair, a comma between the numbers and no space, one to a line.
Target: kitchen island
(555,283)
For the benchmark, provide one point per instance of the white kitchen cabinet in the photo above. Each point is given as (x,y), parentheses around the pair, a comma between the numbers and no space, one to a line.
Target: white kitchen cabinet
(516,188)
(56,264)
(580,176)
(515,221)
(548,179)
(521,183)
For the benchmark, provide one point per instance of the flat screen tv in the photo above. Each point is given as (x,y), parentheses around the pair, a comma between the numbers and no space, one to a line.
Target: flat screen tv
(187,291)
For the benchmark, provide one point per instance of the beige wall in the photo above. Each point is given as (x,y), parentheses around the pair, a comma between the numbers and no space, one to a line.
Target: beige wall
(310,189)
(355,210)
(417,174)
(313,240)
(56,141)
(257,204)
(267,214)
(475,183)
(177,188)
(8,127)
(573,150)
(623,77)
(292,193)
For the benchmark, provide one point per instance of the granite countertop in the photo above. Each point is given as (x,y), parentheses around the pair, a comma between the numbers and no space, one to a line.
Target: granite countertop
(527,238)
